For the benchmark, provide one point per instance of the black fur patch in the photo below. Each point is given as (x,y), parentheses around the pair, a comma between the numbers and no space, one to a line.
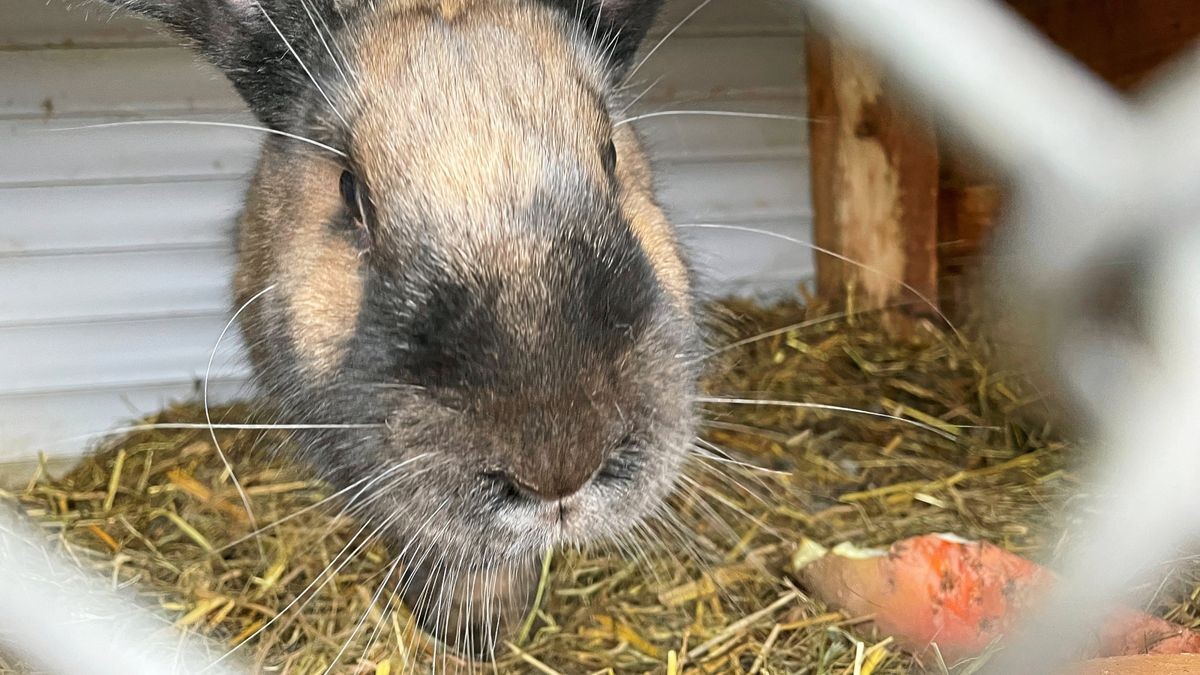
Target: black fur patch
(619,25)
(504,331)
(243,39)
(238,37)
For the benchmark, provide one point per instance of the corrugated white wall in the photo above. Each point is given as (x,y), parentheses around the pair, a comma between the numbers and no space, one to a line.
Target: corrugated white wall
(114,243)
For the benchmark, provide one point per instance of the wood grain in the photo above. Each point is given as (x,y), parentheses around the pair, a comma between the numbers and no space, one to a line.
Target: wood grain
(874,182)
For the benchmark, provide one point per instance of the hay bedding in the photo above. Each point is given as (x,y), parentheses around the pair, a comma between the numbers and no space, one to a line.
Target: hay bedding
(709,591)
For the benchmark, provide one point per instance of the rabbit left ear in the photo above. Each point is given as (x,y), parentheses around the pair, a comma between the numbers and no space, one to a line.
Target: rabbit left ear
(243,39)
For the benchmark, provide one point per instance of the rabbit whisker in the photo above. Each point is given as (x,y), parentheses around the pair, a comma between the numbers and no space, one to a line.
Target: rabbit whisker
(633,71)
(713,113)
(300,61)
(834,254)
(203,123)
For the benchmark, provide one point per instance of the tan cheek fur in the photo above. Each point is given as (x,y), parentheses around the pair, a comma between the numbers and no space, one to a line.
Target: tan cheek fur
(649,223)
(287,242)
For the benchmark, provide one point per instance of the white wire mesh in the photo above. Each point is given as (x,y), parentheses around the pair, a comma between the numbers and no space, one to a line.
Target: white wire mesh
(63,620)
(1094,174)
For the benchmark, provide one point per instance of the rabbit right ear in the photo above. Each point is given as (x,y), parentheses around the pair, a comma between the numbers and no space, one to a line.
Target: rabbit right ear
(258,44)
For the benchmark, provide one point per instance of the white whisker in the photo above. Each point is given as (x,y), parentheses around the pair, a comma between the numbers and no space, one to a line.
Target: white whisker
(629,104)
(179,426)
(633,71)
(826,407)
(308,588)
(713,113)
(300,61)
(928,302)
(201,123)
(366,614)
(700,452)
(800,325)
(369,480)
(208,413)
(321,36)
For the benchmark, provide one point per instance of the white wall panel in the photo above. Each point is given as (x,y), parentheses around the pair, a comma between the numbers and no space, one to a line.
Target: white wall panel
(105,285)
(35,23)
(49,24)
(723,69)
(729,191)
(741,261)
(60,423)
(114,242)
(135,216)
(700,137)
(64,82)
(53,357)
(57,152)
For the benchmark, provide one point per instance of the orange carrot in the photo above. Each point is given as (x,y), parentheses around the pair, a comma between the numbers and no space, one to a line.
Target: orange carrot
(962,595)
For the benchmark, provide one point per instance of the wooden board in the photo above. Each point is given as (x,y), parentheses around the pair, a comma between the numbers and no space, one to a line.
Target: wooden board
(928,224)
(874,182)
(1122,41)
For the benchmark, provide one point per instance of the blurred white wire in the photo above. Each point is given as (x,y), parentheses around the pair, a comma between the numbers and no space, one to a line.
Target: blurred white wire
(1093,174)
(63,620)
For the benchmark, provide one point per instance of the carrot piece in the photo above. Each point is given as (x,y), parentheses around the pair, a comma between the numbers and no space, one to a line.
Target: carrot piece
(960,594)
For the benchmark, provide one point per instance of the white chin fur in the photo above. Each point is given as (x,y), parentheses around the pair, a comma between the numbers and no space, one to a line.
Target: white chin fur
(580,519)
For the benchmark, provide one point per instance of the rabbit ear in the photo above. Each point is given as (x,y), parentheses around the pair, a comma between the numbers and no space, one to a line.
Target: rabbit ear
(619,26)
(258,44)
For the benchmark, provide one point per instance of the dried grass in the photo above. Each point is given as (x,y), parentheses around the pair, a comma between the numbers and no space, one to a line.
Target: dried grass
(963,451)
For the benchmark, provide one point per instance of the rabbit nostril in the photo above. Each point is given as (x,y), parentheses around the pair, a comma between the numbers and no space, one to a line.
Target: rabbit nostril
(506,486)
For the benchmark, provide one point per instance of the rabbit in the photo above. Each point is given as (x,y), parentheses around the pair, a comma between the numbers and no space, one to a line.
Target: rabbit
(451,253)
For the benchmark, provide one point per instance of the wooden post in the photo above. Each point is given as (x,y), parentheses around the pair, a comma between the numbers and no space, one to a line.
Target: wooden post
(874,183)
(881,194)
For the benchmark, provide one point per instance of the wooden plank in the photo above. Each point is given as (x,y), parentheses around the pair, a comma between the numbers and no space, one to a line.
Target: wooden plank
(874,181)
(1122,41)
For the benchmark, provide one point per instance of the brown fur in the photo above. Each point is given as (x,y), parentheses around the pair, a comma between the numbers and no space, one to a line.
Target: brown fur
(649,222)
(449,134)
(451,139)
(461,114)
(319,280)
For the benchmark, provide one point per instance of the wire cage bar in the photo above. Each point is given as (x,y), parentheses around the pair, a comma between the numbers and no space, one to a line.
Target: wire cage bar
(1093,174)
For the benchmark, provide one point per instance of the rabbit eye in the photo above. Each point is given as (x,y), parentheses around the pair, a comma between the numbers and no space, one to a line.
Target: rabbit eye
(348,184)
(355,220)
(610,157)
